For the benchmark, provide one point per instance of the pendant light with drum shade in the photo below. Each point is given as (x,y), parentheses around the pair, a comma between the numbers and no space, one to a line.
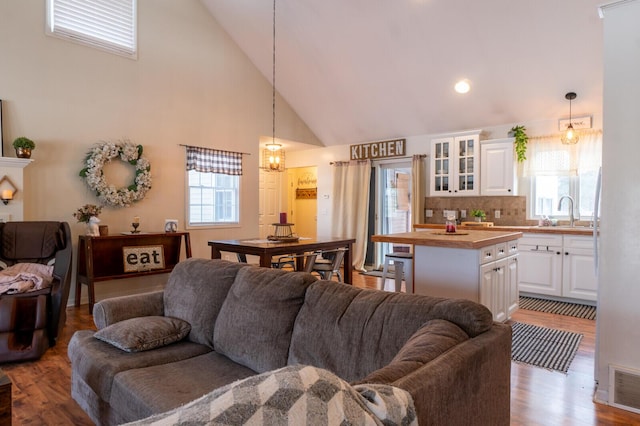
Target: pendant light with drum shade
(570,137)
(273,155)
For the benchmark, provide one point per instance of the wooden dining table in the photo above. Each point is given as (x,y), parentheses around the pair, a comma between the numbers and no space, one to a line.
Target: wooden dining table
(266,250)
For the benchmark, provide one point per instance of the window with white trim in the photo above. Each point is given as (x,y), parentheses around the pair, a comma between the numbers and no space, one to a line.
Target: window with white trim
(213,187)
(555,170)
(213,198)
(104,24)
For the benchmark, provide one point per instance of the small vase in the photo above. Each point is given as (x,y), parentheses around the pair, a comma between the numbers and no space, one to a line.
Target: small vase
(23,152)
(478,219)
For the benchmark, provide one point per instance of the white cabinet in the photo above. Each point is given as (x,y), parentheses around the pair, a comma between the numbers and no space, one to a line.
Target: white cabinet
(541,264)
(579,280)
(493,288)
(511,284)
(499,281)
(454,165)
(497,168)
(557,265)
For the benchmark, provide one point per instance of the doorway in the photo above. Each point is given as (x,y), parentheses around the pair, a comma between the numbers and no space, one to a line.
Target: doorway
(390,205)
(302,184)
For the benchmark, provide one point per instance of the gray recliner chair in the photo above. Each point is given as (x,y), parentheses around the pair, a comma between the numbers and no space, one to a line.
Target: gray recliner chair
(30,322)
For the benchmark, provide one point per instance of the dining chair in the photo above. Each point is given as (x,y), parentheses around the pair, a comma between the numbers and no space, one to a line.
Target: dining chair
(328,263)
(291,260)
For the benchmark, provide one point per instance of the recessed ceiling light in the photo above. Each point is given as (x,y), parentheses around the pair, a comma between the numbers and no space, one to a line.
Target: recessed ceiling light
(462,86)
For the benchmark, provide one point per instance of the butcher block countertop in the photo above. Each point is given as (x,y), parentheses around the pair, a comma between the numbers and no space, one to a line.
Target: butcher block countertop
(578,230)
(465,239)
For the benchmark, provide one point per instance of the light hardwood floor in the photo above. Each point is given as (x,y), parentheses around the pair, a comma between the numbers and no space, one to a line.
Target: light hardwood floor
(41,389)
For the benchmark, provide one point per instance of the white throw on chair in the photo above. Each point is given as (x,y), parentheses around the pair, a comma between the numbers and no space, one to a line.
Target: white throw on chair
(402,262)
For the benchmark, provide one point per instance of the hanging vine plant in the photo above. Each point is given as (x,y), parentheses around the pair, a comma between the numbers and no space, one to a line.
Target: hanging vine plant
(519,132)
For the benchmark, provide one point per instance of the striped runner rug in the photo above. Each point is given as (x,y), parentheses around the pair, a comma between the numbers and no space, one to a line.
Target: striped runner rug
(544,347)
(560,308)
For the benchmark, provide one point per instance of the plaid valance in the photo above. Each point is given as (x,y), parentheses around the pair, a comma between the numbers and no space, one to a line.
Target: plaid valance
(209,160)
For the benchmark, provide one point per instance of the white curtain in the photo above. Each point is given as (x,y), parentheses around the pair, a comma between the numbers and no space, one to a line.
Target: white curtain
(350,214)
(546,155)
(418,188)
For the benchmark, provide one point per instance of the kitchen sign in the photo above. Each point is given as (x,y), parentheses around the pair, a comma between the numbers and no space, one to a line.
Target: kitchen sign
(382,149)
(143,258)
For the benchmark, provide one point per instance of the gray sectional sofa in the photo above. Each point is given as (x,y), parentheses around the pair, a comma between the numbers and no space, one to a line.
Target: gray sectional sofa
(217,322)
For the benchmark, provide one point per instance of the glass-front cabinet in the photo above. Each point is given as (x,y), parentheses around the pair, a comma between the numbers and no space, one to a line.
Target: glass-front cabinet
(454,165)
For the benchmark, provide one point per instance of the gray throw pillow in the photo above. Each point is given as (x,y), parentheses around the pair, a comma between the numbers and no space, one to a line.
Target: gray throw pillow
(144,333)
(256,320)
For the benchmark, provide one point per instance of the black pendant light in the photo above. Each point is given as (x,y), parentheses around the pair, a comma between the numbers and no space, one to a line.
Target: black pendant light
(570,137)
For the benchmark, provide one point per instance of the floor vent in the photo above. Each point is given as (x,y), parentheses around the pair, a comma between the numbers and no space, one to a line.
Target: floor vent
(624,388)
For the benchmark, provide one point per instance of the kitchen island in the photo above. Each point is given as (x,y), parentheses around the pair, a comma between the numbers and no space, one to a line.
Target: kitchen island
(478,265)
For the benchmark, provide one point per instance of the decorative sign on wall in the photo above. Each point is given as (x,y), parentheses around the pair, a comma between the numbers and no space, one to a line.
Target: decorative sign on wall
(307,180)
(306,193)
(577,122)
(143,258)
(382,149)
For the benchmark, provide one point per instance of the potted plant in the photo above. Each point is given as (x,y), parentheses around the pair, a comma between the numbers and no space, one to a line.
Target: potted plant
(519,132)
(480,215)
(23,147)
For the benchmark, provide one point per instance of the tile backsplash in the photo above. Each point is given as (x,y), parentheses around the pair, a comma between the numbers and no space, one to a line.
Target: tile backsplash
(513,209)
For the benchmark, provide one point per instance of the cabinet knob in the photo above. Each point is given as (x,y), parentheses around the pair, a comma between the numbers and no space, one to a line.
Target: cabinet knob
(566,253)
(508,190)
(558,252)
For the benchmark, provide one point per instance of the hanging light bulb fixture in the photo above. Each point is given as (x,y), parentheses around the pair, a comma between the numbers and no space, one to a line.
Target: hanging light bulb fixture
(570,137)
(273,155)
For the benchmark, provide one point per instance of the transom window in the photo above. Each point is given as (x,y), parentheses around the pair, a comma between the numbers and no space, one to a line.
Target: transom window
(104,24)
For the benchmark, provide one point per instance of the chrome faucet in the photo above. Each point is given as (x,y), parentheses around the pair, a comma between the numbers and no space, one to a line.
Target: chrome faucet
(571,218)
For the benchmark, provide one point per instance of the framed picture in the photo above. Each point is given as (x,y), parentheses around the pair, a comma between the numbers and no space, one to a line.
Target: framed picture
(1,141)
(170,225)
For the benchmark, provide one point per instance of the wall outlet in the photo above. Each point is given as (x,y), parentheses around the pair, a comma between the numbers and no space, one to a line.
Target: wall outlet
(463,214)
(497,214)
(428,213)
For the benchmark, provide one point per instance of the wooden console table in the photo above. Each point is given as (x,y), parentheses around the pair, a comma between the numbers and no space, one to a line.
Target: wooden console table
(5,399)
(101,258)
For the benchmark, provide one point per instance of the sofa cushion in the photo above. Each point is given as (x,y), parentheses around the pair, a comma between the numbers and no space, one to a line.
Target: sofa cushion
(294,395)
(357,331)
(430,341)
(195,292)
(97,362)
(256,320)
(144,333)
(141,392)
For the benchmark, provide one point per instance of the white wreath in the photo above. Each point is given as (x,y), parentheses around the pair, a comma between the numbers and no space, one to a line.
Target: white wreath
(101,154)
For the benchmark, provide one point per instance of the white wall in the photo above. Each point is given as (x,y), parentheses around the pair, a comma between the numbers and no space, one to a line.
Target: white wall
(191,85)
(618,336)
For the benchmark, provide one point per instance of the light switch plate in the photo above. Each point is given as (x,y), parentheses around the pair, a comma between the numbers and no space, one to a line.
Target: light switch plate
(497,214)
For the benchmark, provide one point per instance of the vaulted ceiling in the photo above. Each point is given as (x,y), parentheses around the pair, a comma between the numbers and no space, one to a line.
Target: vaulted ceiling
(363,70)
